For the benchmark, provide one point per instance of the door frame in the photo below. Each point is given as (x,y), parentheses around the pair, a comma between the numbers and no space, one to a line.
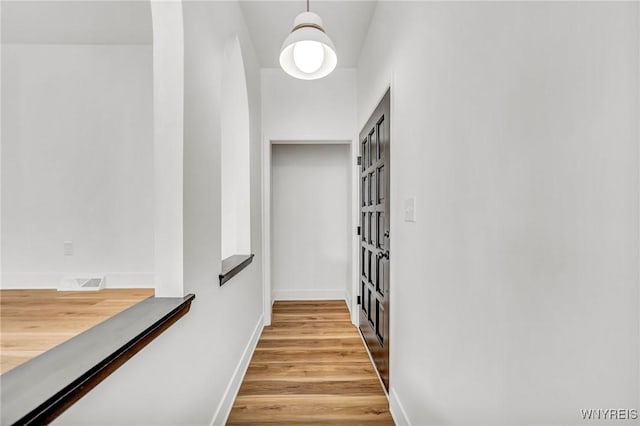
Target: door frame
(266,151)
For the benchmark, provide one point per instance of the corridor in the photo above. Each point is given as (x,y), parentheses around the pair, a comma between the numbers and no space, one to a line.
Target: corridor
(310,366)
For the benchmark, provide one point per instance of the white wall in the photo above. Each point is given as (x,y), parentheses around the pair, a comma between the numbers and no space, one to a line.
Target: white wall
(322,109)
(168,145)
(77,163)
(1,155)
(311,221)
(514,297)
(188,374)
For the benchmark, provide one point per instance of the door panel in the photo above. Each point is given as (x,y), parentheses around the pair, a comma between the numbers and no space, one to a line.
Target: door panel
(374,225)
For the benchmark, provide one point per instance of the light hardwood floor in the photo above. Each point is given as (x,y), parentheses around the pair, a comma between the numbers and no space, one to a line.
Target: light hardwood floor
(34,321)
(310,367)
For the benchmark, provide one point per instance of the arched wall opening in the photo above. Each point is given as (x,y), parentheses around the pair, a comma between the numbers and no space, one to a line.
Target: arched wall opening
(235,173)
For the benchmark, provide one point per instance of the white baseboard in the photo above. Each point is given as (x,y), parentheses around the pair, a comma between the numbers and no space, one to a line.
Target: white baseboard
(23,281)
(30,281)
(308,295)
(397,410)
(130,280)
(230,393)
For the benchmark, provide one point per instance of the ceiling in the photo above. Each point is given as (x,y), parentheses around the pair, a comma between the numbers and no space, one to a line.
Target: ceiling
(77,22)
(129,22)
(346,22)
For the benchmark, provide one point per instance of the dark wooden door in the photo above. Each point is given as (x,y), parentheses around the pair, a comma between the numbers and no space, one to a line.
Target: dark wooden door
(374,236)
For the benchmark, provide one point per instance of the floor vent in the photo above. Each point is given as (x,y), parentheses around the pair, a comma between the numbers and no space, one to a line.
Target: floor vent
(81,284)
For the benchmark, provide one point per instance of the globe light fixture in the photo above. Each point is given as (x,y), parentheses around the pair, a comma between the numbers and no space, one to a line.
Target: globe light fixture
(308,53)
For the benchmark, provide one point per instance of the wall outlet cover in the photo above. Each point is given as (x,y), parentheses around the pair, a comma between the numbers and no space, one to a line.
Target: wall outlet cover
(68,248)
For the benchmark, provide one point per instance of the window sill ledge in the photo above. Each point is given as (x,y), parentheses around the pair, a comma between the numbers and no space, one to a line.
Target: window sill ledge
(39,390)
(234,264)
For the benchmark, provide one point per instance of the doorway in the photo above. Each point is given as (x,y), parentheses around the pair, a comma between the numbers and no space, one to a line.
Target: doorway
(375,236)
(310,221)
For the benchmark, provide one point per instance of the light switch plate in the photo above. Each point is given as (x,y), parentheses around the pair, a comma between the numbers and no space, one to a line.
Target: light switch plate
(410,209)
(68,248)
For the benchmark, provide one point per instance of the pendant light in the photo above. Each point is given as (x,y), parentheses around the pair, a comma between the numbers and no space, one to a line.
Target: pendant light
(308,53)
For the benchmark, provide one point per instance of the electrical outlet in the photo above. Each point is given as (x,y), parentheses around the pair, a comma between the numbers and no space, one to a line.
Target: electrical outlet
(68,248)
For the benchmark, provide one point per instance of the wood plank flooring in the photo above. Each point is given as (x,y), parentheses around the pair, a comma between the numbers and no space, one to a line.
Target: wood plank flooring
(34,321)
(310,367)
